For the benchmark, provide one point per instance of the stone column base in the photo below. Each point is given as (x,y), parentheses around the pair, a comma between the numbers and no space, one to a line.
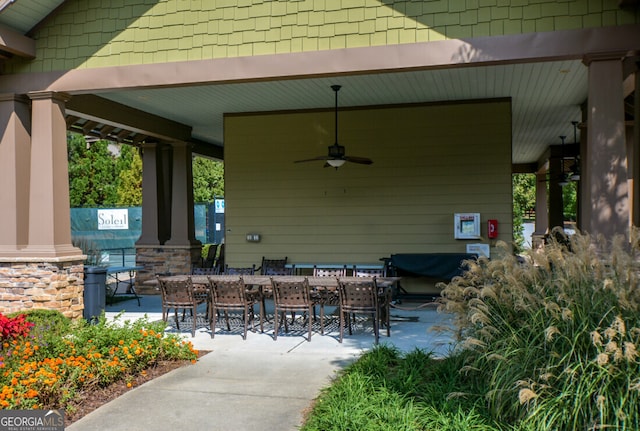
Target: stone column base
(163,259)
(51,285)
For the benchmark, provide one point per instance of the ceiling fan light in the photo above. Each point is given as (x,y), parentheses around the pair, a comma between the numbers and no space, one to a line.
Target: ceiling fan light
(336,163)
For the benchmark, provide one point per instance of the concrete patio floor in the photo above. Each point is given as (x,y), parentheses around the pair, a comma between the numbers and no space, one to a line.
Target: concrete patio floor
(257,384)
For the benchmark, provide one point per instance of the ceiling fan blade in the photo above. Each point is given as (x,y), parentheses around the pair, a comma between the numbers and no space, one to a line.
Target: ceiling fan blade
(336,153)
(360,160)
(315,159)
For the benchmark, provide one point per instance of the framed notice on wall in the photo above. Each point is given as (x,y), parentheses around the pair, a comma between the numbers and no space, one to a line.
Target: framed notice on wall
(466,225)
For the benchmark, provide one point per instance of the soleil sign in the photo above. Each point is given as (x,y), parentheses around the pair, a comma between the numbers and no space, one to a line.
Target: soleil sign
(113,219)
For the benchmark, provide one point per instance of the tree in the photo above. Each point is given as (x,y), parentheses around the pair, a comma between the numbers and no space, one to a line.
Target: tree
(130,177)
(570,201)
(524,203)
(92,171)
(208,179)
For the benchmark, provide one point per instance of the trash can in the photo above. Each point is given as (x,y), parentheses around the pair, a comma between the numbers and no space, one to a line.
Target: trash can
(95,280)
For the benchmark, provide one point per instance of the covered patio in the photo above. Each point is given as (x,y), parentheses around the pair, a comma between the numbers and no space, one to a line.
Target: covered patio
(447,115)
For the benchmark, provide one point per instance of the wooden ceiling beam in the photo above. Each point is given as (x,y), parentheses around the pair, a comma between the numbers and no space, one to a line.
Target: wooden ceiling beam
(105,130)
(89,126)
(122,135)
(524,168)
(71,120)
(120,116)
(14,43)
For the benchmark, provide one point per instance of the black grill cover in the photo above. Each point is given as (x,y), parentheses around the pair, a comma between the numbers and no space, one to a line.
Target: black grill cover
(442,266)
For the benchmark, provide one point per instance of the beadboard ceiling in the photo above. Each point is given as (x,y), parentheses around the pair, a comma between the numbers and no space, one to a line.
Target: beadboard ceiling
(546,97)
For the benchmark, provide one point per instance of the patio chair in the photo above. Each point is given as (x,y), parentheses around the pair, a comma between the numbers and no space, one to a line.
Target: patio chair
(230,295)
(178,293)
(273,266)
(366,272)
(249,270)
(277,271)
(205,271)
(358,297)
(291,296)
(319,271)
(384,295)
(202,290)
(326,296)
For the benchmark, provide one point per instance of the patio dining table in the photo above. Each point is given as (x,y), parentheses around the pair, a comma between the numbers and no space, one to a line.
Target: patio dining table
(330,283)
(261,284)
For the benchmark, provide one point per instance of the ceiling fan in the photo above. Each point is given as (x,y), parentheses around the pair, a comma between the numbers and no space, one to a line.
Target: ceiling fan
(336,155)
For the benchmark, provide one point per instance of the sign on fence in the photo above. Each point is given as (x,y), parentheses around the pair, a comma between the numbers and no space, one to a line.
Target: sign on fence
(113,219)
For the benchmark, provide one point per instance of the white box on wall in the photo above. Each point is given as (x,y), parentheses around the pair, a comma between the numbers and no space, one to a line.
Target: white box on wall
(466,225)
(480,249)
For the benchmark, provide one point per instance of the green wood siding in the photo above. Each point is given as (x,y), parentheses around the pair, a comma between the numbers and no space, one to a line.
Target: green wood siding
(430,162)
(97,33)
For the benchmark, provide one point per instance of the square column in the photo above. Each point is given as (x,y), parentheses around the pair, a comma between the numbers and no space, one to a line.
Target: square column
(542,210)
(636,150)
(15,151)
(150,196)
(49,209)
(605,190)
(182,219)
(556,203)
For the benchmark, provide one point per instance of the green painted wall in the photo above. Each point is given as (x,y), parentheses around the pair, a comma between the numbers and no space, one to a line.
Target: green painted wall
(429,163)
(96,33)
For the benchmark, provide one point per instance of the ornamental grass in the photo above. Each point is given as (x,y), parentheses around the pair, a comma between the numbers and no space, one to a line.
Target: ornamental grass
(548,342)
(554,338)
(46,360)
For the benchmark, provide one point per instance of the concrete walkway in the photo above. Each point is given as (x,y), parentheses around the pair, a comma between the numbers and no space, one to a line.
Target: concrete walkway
(257,384)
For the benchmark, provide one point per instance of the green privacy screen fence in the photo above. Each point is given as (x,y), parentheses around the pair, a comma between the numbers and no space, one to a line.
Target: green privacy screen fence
(108,235)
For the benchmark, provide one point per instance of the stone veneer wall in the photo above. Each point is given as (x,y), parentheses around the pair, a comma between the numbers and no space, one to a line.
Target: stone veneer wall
(42,285)
(163,260)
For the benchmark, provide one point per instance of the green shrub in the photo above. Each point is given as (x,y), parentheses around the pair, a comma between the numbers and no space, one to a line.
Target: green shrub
(387,390)
(553,340)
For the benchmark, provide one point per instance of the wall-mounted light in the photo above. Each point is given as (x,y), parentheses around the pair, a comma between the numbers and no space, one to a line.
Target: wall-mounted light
(564,177)
(253,237)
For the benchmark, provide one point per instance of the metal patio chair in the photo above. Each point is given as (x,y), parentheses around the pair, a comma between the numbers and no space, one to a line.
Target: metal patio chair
(291,296)
(178,293)
(358,297)
(231,295)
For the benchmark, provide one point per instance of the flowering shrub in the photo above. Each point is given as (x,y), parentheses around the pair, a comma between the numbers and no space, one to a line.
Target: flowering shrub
(14,327)
(49,372)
